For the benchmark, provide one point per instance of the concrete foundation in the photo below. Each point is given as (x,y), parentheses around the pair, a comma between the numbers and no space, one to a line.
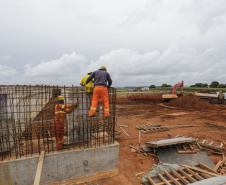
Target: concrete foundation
(61,166)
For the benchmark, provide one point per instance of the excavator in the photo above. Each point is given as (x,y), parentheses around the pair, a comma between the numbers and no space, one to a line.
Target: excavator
(173,94)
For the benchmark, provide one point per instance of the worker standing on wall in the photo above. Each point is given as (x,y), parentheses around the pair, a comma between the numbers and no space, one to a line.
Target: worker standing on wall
(101,77)
(60,114)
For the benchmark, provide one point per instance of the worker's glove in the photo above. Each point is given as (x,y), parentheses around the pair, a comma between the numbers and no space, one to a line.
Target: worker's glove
(75,104)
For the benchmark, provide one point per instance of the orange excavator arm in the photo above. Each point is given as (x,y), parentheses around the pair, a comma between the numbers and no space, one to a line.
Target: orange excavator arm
(180,84)
(173,93)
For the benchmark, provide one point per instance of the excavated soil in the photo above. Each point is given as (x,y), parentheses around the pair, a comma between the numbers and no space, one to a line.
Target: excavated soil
(147,98)
(191,102)
(134,110)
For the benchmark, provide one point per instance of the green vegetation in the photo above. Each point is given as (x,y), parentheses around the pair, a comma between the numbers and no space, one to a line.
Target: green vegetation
(200,85)
(186,89)
(122,90)
(213,84)
(221,86)
(152,86)
(166,85)
(213,87)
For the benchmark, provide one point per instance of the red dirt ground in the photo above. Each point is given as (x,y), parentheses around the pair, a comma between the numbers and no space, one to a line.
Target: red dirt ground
(145,109)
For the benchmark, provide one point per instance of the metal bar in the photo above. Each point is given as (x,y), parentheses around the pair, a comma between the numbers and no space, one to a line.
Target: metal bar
(27,127)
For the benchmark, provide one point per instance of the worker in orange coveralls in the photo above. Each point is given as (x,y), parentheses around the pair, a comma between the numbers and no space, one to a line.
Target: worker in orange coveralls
(101,77)
(60,114)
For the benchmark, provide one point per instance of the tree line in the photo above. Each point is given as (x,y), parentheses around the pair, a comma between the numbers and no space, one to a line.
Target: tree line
(213,84)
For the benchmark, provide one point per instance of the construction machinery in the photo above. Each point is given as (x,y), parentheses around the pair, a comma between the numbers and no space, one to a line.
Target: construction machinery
(217,97)
(173,94)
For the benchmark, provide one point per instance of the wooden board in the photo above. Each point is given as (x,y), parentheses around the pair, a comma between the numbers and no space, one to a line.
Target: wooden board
(168,142)
(182,176)
(39,169)
(187,148)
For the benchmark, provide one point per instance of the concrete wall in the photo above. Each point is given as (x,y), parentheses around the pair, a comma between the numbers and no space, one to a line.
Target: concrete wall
(79,132)
(22,108)
(60,165)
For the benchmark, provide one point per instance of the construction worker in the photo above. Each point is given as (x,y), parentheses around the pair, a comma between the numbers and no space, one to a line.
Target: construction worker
(88,86)
(60,114)
(101,77)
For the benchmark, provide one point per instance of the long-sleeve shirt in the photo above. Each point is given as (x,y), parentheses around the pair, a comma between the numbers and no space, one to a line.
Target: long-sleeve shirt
(88,86)
(61,110)
(101,77)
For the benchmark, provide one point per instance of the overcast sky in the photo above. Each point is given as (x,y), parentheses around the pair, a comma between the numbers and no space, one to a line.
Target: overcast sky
(141,42)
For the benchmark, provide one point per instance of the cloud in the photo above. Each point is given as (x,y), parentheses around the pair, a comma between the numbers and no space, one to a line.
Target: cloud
(6,73)
(5,57)
(63,66)
(129,67)
(62,71)
(141,42)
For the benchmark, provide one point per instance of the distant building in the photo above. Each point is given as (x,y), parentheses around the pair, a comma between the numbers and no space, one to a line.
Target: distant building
(145,88)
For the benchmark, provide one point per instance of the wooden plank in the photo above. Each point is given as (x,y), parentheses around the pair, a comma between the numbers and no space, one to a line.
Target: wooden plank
(163,179)
(217,166)
(191,146)
(204,171)
(123,125)
(184,147)
(206,175)
(172,179)
(199,146)
(206,168)
(124,131)
(39,169)
(186,152)
(221,171)
(180,177)
(151,181)
(168,142)
(193,173)
(187,175)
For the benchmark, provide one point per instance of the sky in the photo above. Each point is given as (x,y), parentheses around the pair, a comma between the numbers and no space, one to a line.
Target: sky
(141,42)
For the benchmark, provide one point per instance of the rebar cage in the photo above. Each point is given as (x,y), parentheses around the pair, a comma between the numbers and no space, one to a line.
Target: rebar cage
(27,120)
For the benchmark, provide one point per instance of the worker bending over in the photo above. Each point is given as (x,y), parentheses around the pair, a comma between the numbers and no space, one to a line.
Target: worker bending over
(60,114)
(88,86)
(101,77)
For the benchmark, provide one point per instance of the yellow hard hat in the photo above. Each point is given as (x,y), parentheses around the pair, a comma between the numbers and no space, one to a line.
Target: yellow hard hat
(60,98)
(103,67)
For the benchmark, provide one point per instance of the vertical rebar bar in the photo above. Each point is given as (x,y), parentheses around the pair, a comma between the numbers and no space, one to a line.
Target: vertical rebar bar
(26,120)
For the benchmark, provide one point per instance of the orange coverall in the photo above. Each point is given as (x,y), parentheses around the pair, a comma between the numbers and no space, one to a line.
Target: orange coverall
(58,123)
(100,92)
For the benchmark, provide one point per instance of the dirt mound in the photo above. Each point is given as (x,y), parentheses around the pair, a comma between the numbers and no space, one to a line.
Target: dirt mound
(191,101)
(146,98)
